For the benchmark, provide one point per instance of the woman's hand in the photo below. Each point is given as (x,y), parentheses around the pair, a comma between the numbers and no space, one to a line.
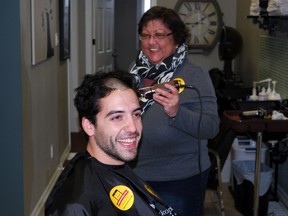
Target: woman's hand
(168,98)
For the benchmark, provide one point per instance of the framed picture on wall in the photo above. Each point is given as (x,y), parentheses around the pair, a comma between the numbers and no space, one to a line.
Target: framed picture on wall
(64,9)
(43,26)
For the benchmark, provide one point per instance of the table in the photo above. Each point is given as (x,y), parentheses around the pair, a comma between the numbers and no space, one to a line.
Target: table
(256,125)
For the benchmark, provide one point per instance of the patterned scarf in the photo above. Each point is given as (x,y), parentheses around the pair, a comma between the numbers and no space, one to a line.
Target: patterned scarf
(160,73)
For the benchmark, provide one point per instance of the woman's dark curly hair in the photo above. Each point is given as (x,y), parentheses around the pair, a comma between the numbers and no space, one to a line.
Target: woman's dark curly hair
(170,19)
(97,86)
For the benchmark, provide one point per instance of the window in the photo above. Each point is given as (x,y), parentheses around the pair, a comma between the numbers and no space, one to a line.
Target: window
(147,5)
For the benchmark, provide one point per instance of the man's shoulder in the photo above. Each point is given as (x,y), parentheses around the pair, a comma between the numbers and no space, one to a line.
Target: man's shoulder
(71,184)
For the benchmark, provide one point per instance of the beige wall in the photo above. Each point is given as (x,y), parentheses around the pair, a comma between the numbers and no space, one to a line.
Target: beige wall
(247,62)
(45,114)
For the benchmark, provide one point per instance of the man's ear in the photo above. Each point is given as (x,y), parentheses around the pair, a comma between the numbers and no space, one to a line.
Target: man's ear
(88,127)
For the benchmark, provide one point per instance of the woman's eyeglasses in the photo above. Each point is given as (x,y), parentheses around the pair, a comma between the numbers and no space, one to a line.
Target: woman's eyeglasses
(156,36)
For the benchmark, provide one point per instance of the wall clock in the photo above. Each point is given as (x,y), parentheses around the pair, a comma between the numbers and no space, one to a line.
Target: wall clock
(204,20)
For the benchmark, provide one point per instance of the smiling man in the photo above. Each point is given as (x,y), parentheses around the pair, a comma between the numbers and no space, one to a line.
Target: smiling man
(98,182)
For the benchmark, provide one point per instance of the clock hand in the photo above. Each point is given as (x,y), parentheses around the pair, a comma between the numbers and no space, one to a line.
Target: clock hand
(192,24)
(200,21)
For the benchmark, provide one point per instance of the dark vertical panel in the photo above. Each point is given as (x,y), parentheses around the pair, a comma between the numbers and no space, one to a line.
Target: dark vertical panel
(126,20)
(11,160)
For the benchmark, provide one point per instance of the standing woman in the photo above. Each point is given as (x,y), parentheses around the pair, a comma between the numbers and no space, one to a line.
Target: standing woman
(173,155)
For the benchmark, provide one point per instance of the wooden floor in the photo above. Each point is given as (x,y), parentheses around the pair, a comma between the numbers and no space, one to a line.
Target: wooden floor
(212,203)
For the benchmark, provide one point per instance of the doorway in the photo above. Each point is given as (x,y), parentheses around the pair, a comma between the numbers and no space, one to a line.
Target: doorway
(92,35)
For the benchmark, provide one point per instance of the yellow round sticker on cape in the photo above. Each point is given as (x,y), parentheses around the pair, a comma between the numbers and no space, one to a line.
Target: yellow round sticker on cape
(122,197)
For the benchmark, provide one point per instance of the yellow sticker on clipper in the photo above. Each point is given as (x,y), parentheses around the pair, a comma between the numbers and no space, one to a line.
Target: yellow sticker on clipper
(182,83)
(122,197)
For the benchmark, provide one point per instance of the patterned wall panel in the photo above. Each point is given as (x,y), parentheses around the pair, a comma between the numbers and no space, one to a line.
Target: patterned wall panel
(273,63)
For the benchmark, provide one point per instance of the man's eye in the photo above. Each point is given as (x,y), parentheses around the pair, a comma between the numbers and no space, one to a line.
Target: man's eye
(117,117)
(138,115)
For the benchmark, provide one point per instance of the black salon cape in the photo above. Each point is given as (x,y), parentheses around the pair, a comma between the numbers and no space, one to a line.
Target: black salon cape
(86,185)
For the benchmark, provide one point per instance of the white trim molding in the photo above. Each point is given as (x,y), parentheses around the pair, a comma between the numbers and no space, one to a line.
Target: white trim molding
(39,208)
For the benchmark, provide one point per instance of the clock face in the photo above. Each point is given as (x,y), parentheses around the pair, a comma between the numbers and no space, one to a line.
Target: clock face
(203,19)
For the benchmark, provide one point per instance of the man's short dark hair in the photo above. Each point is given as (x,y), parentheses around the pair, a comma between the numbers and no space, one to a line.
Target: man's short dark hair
(97,86)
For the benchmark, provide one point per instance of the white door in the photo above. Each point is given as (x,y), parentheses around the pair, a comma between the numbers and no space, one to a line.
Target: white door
(103,35)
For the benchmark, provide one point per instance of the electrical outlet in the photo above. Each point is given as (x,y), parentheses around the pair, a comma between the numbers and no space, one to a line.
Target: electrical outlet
(51,151)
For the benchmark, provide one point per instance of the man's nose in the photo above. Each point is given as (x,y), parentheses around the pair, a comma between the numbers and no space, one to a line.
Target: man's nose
(131,125)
